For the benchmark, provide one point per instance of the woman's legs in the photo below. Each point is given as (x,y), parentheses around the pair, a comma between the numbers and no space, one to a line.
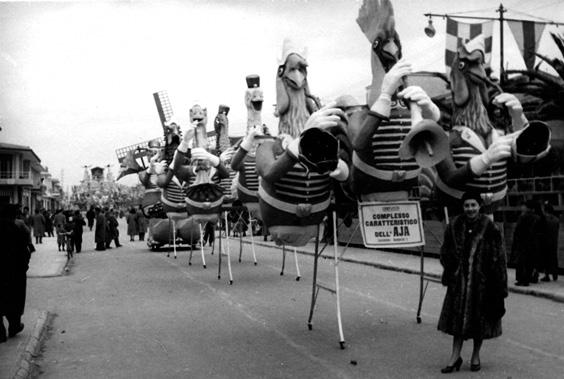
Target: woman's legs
(456,349)
(476,352)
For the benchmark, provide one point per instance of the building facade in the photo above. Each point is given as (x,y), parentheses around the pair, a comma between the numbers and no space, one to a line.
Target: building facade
(24,181)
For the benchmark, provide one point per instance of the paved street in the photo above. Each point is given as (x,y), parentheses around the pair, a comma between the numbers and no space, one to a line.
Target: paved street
(130,312)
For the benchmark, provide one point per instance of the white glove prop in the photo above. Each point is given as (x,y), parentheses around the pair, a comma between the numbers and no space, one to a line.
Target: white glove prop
(513,105)
(393,78)
(325,117)
(416,94)
(341,173)
(249,142)
(227,155)
(497,151)
(186,138)
(293,148)
(203,154)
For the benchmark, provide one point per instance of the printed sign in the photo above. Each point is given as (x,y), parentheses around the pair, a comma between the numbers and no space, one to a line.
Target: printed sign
(391,224)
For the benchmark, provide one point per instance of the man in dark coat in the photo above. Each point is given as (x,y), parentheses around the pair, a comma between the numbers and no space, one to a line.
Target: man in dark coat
(90,216)
(100,231)
(524,248)
(78,223)
(549,227)
(14,261)
(475,273)
(112,229)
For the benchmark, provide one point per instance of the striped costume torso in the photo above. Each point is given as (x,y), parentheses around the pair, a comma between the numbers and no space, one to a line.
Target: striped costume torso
(174,192)
(301,186)
(378,167)
(247,185)
(465,145)
(173,196)
(225,184)
(387,140)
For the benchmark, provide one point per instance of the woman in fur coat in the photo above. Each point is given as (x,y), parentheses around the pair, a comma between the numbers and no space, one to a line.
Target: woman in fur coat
(475,273)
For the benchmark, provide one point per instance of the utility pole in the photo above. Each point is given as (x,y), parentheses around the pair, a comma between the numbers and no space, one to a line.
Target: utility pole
(501,11)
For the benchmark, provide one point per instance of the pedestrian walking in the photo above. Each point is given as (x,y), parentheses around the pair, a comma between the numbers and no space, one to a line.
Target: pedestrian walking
(549,225)
(141,224)
(38,225)
(77,231)
(90,216)
(48,223)
(475,273)
(131,220)
(112,229)
(524,248)
(100,230)
(14,262)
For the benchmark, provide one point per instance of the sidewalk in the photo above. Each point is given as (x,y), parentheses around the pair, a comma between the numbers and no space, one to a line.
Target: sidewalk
(411,264)
(17,353)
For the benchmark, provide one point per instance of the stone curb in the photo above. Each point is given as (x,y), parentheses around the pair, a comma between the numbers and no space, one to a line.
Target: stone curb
(25,364)
(430,276)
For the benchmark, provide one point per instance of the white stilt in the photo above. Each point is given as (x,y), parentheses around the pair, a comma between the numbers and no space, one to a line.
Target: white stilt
(228,249)
(252,240)
(337,292)
(297,265)
(202,245)
(174,237)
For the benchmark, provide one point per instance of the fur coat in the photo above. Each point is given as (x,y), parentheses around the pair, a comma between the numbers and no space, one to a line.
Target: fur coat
(475,273)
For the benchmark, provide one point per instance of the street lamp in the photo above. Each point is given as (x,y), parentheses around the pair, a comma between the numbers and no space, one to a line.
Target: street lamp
(430,29)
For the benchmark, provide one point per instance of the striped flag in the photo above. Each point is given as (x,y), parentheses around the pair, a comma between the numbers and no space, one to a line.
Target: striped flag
(527,35)
(458,33)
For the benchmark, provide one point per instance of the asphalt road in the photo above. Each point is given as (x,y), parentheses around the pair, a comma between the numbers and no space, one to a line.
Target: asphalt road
(133,313)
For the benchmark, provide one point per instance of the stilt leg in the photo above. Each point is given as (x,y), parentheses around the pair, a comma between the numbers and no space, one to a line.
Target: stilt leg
(315,289)
(283,259)
(220,247)
(337,292)
(174,237)
(298,275)
(240,246)
(228,250)
(421,285)
(253,242)
(191,250)
(169,238)
(202,245)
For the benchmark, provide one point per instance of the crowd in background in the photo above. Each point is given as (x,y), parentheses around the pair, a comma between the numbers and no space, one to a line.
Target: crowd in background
(535,244)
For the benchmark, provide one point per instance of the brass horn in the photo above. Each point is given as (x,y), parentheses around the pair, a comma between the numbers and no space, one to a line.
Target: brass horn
(427,142)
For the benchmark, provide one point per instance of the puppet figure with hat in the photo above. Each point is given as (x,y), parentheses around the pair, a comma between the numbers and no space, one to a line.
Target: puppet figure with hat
(224,150)
(244,160)
(200,178)
(294,102)
(297,167)
(379,173)
(479,148)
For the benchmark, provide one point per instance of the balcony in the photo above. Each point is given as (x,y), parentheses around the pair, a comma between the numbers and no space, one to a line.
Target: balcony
(16,178)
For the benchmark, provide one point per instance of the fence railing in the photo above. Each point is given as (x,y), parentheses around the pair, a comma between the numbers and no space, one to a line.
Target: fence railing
(15,174)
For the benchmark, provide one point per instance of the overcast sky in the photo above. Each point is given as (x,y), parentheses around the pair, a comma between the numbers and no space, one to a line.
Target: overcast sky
(77,78)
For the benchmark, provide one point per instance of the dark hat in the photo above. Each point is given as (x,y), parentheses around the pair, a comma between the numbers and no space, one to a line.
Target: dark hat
(253,81)
(223,109)
(319,150)
(472,195)
(532,143)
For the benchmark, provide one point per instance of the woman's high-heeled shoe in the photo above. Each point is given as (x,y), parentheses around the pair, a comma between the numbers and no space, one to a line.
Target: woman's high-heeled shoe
(455,366)
(475,366)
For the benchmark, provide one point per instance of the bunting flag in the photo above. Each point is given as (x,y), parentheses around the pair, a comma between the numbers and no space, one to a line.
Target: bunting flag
(458,33)
(527,35)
